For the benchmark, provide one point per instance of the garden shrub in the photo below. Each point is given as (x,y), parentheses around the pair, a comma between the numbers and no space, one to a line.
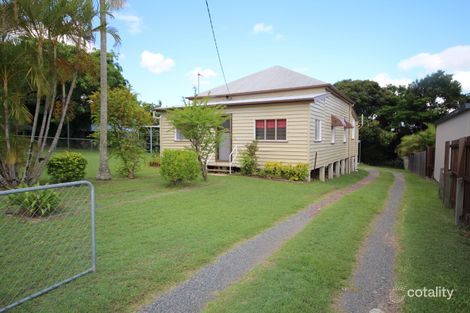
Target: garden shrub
(155,160)
(178,166)
(130,157)
(297,172)
(39,203)
(249,161)
(66,166)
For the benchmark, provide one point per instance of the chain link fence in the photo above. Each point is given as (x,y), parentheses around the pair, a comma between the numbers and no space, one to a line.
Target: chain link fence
(69,143)
(47,238)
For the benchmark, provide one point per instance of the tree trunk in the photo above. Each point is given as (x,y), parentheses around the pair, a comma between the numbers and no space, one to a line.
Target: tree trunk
(103,171)
(204,169)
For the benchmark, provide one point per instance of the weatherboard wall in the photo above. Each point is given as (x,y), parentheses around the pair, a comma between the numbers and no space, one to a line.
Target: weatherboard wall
(325,151)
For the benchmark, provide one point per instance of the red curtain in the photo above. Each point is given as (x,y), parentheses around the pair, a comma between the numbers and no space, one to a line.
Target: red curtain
(281,123)
(270,124)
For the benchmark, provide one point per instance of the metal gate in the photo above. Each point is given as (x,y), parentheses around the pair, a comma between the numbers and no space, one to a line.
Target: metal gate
(47,239)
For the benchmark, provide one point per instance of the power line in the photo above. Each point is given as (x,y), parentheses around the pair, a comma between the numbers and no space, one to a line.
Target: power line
(216,47)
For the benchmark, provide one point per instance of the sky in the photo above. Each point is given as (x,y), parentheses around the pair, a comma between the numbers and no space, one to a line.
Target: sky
(166,43)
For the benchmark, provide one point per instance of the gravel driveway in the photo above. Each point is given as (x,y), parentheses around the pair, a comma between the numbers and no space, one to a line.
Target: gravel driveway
(192,295)
(374,278)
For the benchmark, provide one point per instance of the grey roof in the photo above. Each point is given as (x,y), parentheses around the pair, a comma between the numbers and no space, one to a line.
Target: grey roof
(465,107)
(273,78)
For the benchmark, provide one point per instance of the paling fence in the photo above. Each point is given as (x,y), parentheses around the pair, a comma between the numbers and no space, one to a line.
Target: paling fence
(47,239)
(454,183)
(421,163)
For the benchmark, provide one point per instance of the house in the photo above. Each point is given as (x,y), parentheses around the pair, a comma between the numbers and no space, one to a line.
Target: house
(295,119)
(453,126)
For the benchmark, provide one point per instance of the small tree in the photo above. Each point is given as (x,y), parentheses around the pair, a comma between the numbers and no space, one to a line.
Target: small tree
(417,142)
(249,158)
(201,124)
(125,119)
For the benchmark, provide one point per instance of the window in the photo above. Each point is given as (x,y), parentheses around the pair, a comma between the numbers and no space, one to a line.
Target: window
(345,135)
(271,129)
(179,136)
(353,130)
(333,134)
(318,130)
(281,129)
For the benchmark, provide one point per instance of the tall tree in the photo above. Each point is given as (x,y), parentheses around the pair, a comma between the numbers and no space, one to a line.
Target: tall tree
(41,27)
(103,171)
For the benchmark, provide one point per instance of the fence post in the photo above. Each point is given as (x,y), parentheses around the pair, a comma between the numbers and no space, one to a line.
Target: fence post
(459,200)
(447,189)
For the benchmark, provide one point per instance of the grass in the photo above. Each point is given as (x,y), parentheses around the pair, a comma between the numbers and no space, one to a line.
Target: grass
(151,236)
(310,269)
(434,252)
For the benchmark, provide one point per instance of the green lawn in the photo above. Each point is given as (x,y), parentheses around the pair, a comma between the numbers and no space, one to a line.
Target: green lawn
(310,269)
(151,236)
(434,252)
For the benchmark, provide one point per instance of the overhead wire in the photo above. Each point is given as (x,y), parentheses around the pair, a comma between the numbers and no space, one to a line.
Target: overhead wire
(217,47)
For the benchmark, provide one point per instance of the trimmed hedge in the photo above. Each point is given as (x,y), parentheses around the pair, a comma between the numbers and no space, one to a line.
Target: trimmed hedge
(297,172)
(178,166)
(66,166)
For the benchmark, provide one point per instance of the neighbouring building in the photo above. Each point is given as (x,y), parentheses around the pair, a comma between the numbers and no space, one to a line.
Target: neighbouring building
(453,126)
(295,119)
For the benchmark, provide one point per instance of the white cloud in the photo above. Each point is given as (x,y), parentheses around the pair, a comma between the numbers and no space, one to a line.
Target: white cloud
(279,37)
(464,79)
(383,79)
(262,28)
(206,74)
(452,59)
(134,22)
(156,62)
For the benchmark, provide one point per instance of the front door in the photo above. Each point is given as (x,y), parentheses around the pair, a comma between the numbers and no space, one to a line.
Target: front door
(225,146)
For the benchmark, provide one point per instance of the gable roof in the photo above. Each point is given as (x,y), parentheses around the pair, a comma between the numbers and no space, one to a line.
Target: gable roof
(272,79)
(464,108)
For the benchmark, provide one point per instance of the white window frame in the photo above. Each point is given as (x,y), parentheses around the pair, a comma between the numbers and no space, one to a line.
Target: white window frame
(318,132)
(333,134)
(275,129)
(345,135)
(182,138)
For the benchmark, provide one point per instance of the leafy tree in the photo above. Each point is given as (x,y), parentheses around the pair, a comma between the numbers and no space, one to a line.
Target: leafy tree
(125,120)
(89,83)
(392,112)
(418,141)
(201,124)
(51,68)
(367,95)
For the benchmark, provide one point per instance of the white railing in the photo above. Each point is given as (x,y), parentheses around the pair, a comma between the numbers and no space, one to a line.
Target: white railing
(232,158)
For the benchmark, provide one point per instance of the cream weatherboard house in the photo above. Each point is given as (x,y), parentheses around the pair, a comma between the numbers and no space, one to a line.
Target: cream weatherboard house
(294,118)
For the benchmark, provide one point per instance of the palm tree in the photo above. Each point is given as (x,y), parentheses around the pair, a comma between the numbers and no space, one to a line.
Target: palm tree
(103,171)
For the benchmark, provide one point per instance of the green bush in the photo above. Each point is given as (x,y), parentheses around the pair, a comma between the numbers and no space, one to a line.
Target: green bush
(249,161)
(37,203)
(297,172)
(66,166)
(130,156)
(155,160)
(178,166)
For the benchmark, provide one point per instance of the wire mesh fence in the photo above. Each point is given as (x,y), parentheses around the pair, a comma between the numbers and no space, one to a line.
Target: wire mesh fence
(69,143)
(46,239)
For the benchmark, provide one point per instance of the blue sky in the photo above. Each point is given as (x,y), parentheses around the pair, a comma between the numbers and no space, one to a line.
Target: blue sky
(165,43)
